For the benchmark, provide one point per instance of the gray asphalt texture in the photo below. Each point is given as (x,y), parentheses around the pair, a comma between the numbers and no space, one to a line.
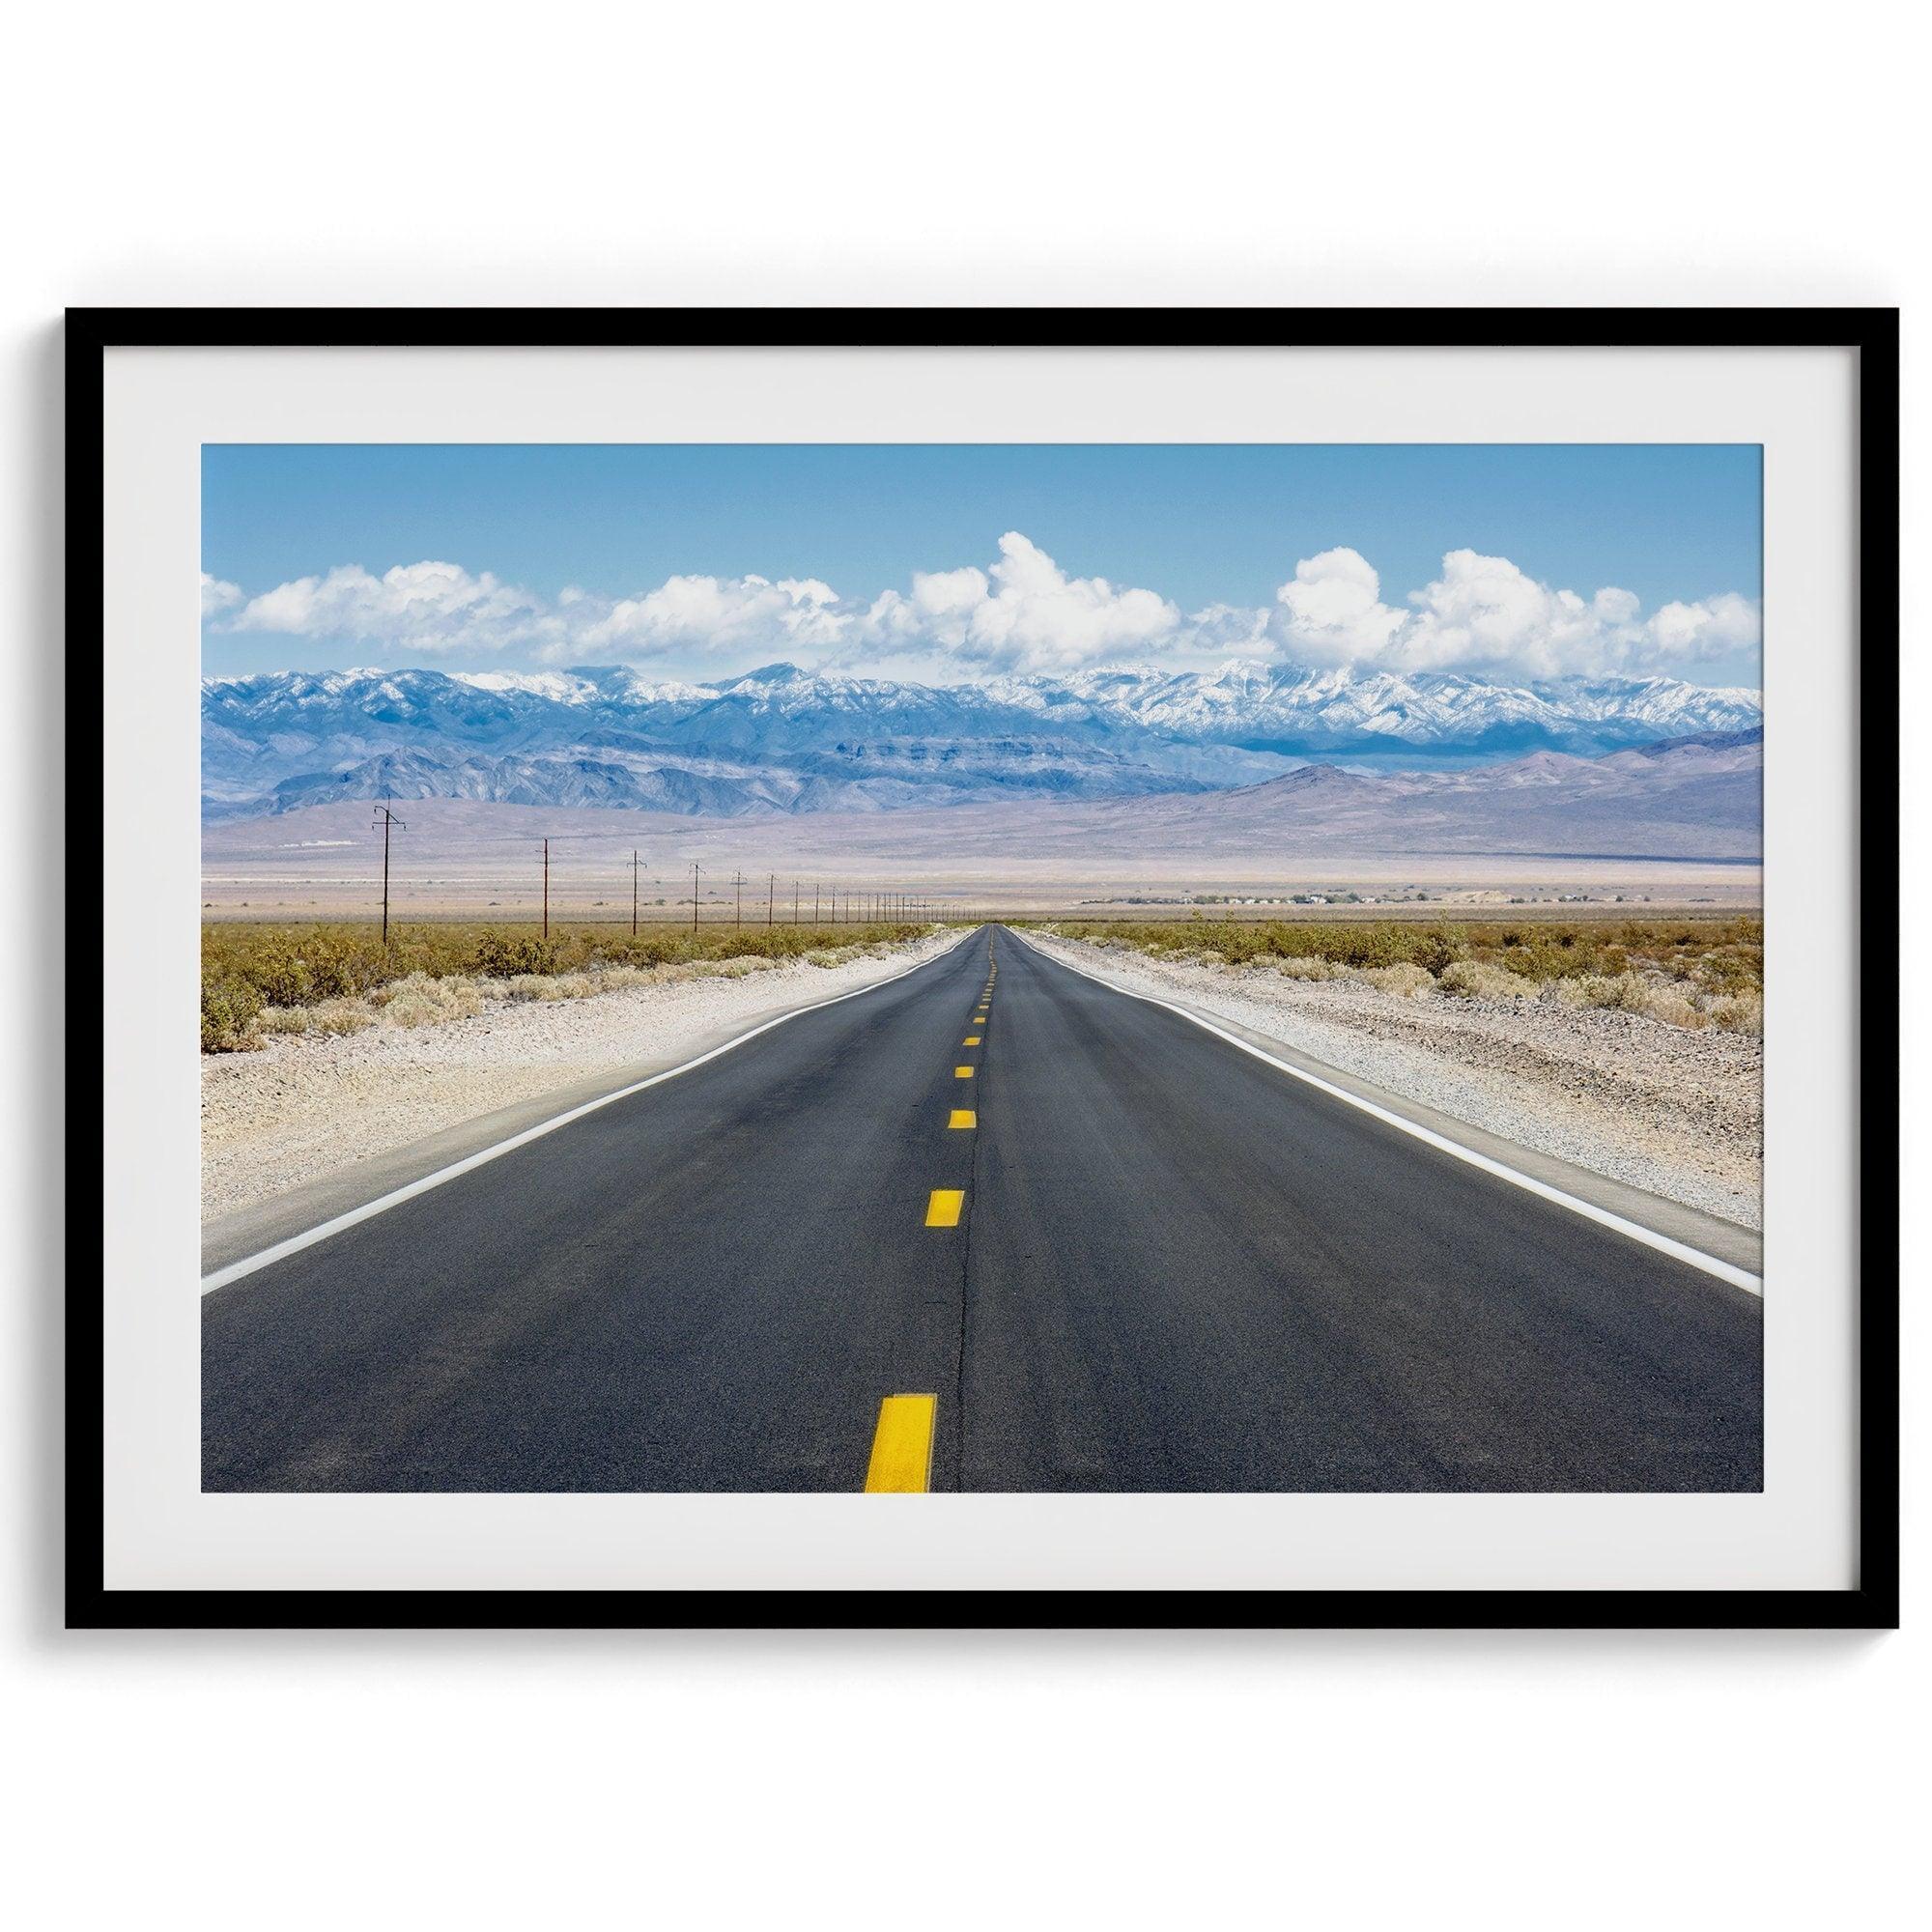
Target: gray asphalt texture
(1179,1269)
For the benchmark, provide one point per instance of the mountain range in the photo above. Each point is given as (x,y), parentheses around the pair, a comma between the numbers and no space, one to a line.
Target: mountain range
(1670,819)
(780,740)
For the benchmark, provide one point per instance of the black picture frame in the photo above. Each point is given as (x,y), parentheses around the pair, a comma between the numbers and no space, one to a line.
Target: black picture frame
(1873,333)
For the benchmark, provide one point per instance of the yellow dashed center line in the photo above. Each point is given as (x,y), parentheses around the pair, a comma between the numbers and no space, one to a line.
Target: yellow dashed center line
(963,1117)
(971,1039)
(942,1209)
(963,1073)
(901,1461)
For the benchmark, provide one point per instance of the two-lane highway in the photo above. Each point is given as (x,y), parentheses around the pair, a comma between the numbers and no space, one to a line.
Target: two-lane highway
(1099,1248)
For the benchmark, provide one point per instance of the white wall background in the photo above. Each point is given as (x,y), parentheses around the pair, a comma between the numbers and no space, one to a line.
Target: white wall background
(768,153)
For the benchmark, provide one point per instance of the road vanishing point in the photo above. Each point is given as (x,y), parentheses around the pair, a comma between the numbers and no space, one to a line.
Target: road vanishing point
(989,1226)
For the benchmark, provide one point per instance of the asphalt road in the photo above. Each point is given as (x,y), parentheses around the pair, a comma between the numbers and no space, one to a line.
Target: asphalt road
(1173,1269)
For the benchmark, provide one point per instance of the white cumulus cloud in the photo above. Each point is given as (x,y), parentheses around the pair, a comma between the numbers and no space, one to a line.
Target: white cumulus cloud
(218,597)
(426,607)
(1485,616)
(1024,614)
(710,614)
(442,606)
(1332,611)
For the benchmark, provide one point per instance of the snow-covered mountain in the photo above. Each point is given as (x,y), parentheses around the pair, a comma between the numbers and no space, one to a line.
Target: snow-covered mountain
(781,739)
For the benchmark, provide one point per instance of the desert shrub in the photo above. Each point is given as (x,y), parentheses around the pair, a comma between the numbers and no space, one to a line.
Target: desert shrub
(1434,954)
(1624,992)
(501,955)
(1737,1013)
(423,1000)
(295,967)
(325,1016)
(1711,955)
(1478,979)
(553,985)
(1668,999)
(736,968)
(1662,1002)
(1700,973)
(280,974)
(1298,966)
(340,1016)
(229,1012)
(1406,981)
(619,979)
(654,949)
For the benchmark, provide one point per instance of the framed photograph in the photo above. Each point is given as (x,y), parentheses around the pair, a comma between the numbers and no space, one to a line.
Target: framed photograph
(916,968)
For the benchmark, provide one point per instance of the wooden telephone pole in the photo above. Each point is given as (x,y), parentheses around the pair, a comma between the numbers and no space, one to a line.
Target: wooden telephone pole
(694,898)
(546,888)
(634,895)
(387,820)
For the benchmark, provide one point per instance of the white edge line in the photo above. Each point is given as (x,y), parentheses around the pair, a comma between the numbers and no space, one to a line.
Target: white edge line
(1681,1251)
(235,1270)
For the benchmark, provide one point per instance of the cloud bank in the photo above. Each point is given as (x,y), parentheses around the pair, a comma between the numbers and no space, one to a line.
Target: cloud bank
(1021,613)
(1485,614)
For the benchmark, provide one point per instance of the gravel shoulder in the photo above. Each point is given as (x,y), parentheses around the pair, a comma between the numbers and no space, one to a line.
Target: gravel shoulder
(308,1107)
(1670,1111)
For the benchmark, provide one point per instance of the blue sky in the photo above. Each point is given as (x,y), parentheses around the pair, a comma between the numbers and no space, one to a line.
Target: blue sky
(701,560)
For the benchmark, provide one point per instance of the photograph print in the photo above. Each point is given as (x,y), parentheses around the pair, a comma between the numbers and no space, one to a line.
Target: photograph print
(1010,968)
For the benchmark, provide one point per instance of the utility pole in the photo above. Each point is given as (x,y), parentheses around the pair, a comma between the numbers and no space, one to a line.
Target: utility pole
(694,898)
(814,902)
(738,880)
(546,888)
(387,820)
(634,895)
(771,899)
(794,901)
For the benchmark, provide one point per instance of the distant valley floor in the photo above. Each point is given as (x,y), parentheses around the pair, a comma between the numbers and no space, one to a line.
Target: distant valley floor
(458,856)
